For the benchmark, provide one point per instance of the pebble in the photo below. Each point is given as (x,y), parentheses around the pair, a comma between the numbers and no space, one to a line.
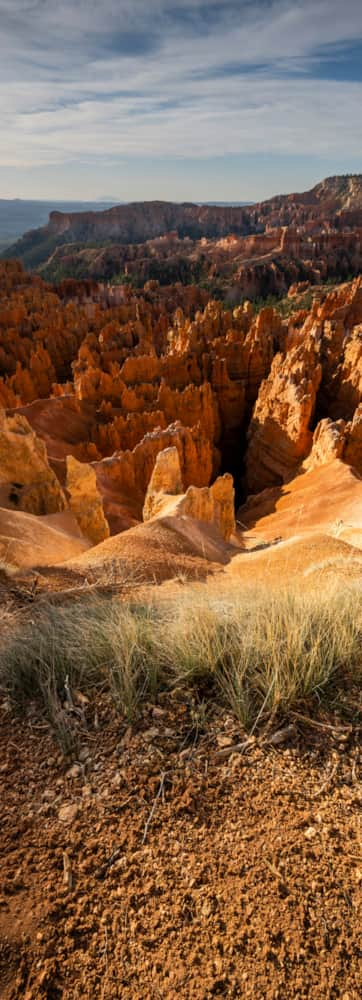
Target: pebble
(68,813)
(310,832)
(74,771)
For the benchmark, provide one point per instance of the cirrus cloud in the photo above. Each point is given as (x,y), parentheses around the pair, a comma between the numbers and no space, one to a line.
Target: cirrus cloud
(178,78)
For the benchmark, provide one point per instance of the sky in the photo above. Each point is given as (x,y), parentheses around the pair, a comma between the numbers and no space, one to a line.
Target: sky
(177,99)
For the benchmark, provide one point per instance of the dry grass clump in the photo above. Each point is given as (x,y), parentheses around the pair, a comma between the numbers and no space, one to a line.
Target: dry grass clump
(78,646)
(267,652)
(262,653)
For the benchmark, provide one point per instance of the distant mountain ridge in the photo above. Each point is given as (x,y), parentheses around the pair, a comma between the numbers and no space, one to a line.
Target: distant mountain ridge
(137,222)
(18,215)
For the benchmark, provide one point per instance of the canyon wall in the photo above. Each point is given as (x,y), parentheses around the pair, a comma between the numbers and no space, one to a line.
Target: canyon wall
(336,203)
(97,392)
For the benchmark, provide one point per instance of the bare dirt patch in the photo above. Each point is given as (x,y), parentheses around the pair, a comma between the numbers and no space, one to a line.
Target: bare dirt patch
(174,859)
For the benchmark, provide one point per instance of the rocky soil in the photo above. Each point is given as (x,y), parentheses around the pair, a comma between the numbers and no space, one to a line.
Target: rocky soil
(179,859)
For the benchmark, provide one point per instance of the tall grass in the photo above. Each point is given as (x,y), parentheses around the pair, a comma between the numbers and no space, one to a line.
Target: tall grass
(261,653)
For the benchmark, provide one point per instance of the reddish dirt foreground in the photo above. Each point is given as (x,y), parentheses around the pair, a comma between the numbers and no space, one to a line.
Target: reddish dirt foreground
(163,861)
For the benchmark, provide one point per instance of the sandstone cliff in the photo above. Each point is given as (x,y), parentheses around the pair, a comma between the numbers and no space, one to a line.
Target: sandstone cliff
(318,373)
(280,434)
(26,480)
(234,390)
(134,223)
(165,497)
(85,501)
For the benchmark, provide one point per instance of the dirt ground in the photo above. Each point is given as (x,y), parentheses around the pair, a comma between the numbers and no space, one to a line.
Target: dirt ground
(176,859)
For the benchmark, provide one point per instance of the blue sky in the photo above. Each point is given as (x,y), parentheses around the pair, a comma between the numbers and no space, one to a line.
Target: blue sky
(177,99)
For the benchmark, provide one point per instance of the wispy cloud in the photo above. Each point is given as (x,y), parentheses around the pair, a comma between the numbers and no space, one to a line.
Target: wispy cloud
(178,78)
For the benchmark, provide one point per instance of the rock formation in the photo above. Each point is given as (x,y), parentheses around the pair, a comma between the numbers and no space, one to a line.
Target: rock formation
(223,495)
(255,394)
(137,222)
(85,501)
(280,434)
(166,480)
(320,369)
(27,482)
(165,498)
(353,451)
(250,251)
(328,443)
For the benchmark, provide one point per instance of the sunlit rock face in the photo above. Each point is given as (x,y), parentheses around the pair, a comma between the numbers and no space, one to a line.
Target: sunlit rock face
(214,505)
(85,500)
(165,481)
(104,389)
(279,435)
(320,369)
(329,441)
(26,480)
(353,450)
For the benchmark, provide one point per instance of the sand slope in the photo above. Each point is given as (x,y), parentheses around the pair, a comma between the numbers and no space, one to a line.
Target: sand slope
(328,500)
(158,550)
(297,530)
(27,540)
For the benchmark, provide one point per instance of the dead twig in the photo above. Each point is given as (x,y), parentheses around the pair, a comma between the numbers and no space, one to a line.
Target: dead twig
(160,792)
(327,782)
(274,871)
(319,725)
(102,871)
(67,870)
(280,736)
(234,748)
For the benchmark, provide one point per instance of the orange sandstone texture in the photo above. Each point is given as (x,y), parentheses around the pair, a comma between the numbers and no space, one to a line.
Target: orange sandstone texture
(165,496)
(85,501)
(353,449)
(279,434)
(107,380)
(319,370)
(26,480)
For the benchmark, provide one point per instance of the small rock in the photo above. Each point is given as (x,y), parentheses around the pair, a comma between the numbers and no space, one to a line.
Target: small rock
(80,698)
(310,832)
(151,734)
(48,793)
(68,813)
(281,735)
(158,712)
(74,771)
(224,741)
